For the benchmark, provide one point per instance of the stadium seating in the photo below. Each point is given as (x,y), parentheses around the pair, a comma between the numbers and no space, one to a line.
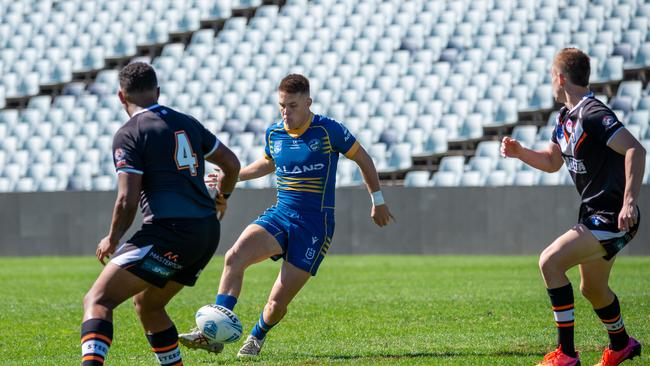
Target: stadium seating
(409,79)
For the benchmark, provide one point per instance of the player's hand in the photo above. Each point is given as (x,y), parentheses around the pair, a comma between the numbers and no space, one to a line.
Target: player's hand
(221,204)
(381,215)
(510,148)
(628,217)
(104,249)
(214,178)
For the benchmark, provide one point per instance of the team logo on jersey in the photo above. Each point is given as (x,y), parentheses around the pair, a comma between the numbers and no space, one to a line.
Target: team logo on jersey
(314,145)
(119,154)
(608,121)
(569,125)
(277,146)
(310,253)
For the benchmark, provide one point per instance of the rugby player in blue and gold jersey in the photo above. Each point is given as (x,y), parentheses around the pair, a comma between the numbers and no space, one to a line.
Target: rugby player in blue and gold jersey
(303,150)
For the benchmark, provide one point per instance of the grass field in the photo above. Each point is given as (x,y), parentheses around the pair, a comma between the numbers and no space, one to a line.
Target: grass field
(359,310)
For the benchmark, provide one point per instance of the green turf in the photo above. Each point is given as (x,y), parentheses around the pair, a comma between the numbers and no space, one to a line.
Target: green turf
(359,310)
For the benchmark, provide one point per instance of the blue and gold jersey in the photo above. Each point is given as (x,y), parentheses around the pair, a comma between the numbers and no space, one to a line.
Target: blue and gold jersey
(306,161)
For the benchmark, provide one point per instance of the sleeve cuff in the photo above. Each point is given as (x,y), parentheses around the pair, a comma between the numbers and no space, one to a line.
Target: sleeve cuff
(616,131)
(129,170)
(267,157)
(353,150)
(214,148)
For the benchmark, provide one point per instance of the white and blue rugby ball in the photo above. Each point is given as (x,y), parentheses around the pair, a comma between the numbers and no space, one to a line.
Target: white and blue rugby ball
(218,323)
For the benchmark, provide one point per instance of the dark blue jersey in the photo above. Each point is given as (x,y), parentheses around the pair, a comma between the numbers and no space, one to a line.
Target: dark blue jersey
(168,149)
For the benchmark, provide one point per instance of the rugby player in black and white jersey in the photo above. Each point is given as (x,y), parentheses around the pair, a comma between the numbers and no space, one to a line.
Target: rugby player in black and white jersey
(607,164)
(160,157)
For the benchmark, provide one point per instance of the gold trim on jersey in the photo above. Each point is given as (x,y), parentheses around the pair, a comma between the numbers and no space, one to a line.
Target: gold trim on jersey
(295,133)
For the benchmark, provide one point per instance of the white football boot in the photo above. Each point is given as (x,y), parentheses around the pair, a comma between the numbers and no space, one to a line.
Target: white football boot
(251,348)
(196,340)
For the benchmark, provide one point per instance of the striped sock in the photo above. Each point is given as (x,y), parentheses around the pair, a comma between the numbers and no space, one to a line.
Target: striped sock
(562,302)
(227,301)
(611,317)
(96,339)
(261,328)
(165,346)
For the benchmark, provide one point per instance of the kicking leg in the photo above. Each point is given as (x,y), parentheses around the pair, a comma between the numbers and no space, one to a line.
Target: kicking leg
(254,245)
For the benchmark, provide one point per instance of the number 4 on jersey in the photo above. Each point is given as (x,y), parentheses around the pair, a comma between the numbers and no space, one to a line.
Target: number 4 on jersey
(185,156)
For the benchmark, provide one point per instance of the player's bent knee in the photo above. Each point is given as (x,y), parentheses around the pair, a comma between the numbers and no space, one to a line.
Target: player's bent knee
(276,308)
(94,299)
(143,307)
(548,262)
(594,292)
(232,258)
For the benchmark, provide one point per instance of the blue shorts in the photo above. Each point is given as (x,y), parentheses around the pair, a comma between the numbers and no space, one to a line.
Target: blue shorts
(304,237)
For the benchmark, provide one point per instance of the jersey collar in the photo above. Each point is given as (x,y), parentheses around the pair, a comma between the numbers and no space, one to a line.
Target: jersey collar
(299,131)
(151,107)
(585,97)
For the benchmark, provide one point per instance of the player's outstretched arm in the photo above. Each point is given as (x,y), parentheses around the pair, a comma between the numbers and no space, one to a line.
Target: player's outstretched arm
(379,213)
(549,160)
(257,169)
(126,205)
(625,144)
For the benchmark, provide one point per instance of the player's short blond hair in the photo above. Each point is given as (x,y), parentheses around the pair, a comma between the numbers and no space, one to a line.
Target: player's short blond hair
(574,64)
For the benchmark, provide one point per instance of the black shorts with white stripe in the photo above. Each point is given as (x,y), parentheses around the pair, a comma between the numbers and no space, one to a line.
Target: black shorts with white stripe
(170,250)
(604,226)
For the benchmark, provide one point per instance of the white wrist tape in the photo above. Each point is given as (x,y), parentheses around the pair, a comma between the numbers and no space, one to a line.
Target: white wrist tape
(377,198)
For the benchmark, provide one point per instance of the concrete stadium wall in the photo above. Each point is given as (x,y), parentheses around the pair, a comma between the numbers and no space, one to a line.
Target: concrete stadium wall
(481,220)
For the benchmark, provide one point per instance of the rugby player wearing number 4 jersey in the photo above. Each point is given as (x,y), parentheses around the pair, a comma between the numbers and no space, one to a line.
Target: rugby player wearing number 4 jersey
(160,160)
(303,151)
(606,163)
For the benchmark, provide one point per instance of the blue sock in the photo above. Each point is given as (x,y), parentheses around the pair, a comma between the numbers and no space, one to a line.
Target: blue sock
(226,301)
(261,328)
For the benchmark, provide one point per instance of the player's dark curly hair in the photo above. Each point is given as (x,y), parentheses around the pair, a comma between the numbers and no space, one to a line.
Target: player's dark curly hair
(138,77)
(294,83)
(575,65)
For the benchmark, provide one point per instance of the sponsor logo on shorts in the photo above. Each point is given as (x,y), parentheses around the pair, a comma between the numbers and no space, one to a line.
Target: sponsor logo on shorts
(310,253)
(162,259)
(597,220)
(171,256)
(156,268)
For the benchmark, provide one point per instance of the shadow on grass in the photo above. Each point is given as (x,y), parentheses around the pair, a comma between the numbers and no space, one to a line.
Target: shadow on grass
(441,354)
(304,359)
